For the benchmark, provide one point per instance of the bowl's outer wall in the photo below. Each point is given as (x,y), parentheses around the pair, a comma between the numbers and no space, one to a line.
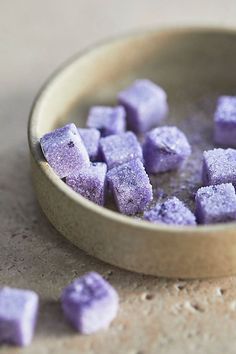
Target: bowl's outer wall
(172,58)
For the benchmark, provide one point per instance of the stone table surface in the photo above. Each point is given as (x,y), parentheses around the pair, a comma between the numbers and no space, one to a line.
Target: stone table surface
(156,315)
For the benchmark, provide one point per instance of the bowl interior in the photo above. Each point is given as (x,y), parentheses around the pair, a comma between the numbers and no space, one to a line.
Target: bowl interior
(193,66)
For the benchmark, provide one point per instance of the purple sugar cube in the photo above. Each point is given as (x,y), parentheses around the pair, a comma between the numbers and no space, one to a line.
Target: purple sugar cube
(91,139)
(64,150)
(108,120)
(121,148)
(145,104)
(172,211)
(130,186)
(90,182)
(18,315)
(90,303)
(216,204)
(165,149)
(219,166)
(225,121)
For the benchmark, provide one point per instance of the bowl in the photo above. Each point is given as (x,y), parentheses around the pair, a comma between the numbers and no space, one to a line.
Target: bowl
(194,65)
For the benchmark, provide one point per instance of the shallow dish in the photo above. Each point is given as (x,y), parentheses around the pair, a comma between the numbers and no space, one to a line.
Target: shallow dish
(194,66)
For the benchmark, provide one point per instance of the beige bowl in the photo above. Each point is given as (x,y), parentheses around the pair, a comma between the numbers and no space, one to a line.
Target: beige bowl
(191,61)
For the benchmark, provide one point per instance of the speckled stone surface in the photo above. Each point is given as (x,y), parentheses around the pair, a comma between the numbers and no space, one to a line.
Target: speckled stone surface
(156,315)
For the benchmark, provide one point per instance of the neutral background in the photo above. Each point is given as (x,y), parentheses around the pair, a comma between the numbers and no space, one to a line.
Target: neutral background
(156,315)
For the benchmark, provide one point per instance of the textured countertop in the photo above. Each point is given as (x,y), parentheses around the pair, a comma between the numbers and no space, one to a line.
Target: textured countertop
(156,315)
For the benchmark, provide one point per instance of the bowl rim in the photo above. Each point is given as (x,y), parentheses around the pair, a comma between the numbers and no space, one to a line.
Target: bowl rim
(77,198)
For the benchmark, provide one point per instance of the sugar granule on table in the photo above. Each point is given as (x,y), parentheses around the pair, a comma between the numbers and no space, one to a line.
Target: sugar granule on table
(91,139)
(18,315)
(90,182)
(130,186)
(145,103)
(165,149)
(216,203)
(64,150)
(118,149)
(90,303)
(219,166)
(225,121)
(108,120)
(172,211)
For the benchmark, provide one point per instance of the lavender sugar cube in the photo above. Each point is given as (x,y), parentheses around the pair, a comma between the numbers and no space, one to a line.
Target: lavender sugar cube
(165,149)
(225,121)
(145,104)
(90,182)
(90,303)
(108,120)
(216,204)
(130,186)
(18,314)
(121,148)
(64,150)
(91,139)
(173,211)
(219,166)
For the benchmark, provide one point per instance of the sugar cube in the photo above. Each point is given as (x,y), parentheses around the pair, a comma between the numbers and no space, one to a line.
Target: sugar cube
(219,166)
(172,211)
(90,303)
(145,104)
(131,187)
(90,182)
(18,315)
(225,121)
(216,204)
(108,120)
(165,149)
(118,149)
(64,150)
(91,139)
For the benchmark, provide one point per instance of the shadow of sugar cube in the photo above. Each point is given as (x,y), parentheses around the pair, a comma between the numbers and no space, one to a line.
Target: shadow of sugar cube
(172,211)
(216,204)
(165,149)
(145,104)
(118,149)
(90,303)
(64,150)
(219,166)
(130,186)
(225,121)
(108,120)
(18,315)
(90,182)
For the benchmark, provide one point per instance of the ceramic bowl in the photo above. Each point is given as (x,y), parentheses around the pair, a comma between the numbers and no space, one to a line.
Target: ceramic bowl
(188,63)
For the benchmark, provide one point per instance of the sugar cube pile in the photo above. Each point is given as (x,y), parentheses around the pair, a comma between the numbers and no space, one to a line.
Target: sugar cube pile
(122,146)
